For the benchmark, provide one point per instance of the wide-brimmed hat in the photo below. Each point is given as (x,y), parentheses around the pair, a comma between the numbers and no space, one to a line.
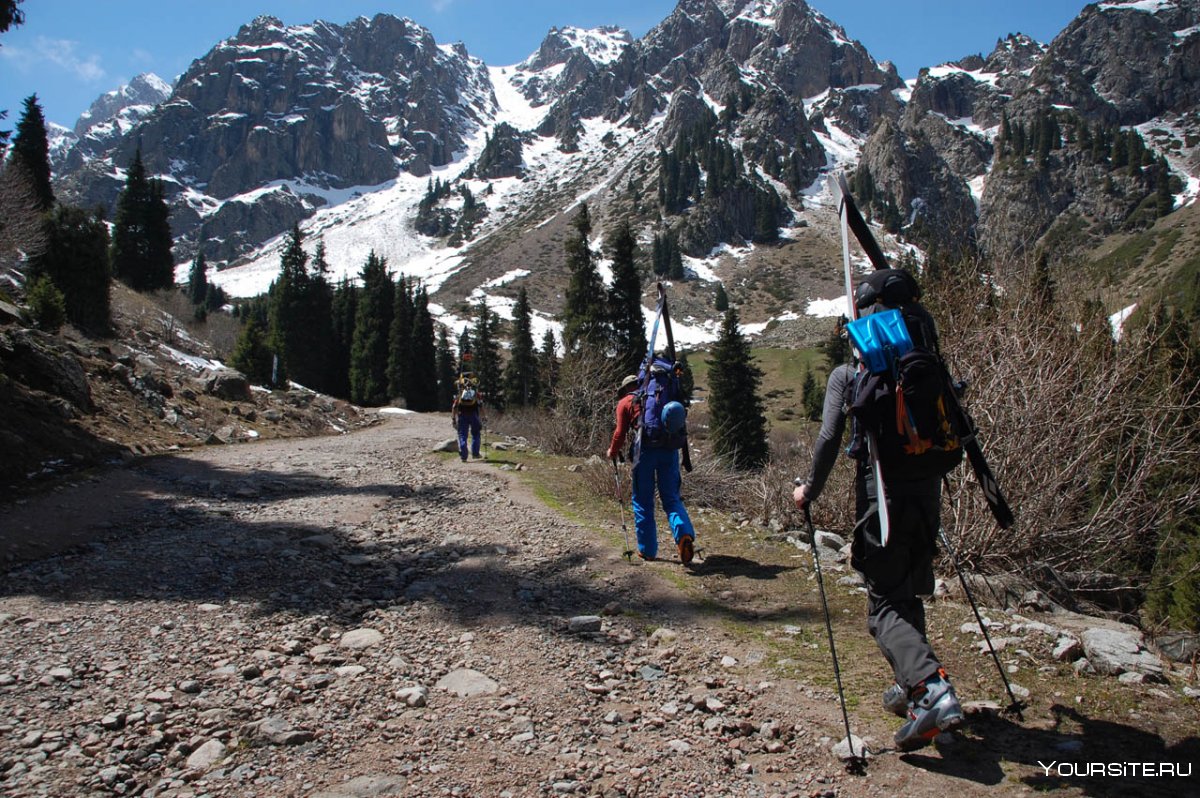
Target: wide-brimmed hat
(625,383)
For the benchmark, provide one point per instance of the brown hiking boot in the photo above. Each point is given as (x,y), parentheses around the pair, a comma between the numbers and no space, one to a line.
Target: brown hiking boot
(686,549)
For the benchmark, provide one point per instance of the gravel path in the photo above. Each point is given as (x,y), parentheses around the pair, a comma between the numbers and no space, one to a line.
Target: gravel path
(354,616)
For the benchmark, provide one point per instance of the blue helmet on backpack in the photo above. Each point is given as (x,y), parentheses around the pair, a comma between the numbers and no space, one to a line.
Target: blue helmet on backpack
(674,418)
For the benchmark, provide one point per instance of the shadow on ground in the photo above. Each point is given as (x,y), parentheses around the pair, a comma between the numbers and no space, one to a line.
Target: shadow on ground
(1097,757)
(189,533)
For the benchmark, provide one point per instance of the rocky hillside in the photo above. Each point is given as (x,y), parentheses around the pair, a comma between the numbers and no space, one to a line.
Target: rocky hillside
(714,131)
(73,402)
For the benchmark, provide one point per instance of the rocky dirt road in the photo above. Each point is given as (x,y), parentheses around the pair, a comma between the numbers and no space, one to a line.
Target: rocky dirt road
(356,616)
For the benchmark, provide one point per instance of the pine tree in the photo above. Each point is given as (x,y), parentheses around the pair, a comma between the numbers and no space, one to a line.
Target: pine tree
(141,242)
(197,290)
(286,316)
(687,380)
(584,315)
(46,304)
(76,260)
(447,370)
(486,349)
(813,400)
(625,302)
(344,308)
(372,322)
(400,340)
(464,348)
(31,150)
(522,387)
(423,368)
(721,300)
(548,365)
(252,355)
(736,420)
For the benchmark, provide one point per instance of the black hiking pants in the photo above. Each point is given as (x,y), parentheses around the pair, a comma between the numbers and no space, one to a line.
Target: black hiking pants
(900,573)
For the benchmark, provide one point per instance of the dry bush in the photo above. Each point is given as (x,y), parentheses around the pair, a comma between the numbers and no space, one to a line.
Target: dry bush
(22,233)
(1079,429)
(584,414)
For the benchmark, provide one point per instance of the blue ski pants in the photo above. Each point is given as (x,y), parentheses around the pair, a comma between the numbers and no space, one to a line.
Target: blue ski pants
(661,466)
(468,422)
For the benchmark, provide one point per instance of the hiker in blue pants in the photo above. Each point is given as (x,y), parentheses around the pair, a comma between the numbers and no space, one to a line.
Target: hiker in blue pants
(654,465)
(465,414)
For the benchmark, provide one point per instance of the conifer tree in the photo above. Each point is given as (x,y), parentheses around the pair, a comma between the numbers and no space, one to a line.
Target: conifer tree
(687,381)
(76,260)
(813,400)
(721,300)
(252,354)
(522,387)
(548,365)
(486,350)
(344,310)
(287,315)
(141,242)
(197,290)
(447,371)
(464,347)
(372,322)
(625,302)
(423,369)
(736,420)
(585,313)
(47,304)
(400,340)
(31,150)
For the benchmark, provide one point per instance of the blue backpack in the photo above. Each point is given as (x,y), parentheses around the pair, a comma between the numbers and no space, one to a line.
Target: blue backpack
(664,417)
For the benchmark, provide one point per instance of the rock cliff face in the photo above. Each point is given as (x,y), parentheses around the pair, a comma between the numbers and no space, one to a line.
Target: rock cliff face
(319,106)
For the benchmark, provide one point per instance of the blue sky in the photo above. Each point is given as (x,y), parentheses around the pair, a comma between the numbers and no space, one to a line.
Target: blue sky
(71,51)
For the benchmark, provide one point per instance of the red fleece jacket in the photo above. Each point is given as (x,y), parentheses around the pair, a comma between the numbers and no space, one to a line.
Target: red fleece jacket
(626,416)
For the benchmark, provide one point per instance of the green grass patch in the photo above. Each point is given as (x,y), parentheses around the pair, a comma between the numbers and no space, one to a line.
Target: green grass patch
(783,374)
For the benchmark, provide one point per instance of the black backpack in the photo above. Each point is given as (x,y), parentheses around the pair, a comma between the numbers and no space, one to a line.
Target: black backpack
(904,397)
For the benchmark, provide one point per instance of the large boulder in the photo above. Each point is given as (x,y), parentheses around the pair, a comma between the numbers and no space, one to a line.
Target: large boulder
(227,384)
(1117,651)
(43,364)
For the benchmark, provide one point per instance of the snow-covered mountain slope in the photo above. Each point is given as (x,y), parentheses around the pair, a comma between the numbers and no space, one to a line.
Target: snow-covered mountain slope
(712,135)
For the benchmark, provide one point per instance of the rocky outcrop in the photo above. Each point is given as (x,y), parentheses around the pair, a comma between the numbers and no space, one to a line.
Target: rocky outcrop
(322,105)
(1123,63)
(934,204)
(42,363)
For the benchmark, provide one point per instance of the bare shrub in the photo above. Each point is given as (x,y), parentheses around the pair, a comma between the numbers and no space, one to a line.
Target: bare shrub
(1079,429)
(22,232)
(584,412)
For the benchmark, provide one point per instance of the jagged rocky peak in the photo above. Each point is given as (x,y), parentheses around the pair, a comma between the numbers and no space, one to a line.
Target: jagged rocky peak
(601,45)
(1016,54)
(144,91)
(566,58)
(1123,62)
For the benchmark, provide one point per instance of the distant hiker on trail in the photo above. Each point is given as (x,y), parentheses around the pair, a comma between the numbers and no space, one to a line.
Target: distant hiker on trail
(899,572)
(466,413)
(658,428)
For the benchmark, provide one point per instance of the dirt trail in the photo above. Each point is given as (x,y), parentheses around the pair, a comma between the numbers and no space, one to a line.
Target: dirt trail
(355,616)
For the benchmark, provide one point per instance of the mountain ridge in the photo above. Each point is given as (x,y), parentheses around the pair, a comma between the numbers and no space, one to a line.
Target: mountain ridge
(780,88)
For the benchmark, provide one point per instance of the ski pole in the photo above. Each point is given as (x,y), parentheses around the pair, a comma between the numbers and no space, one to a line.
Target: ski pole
(628,553)
(1015,706)
(855,762)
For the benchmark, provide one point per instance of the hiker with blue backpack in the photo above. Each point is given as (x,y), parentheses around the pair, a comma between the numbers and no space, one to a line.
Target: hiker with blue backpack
(900,427)
(650,412)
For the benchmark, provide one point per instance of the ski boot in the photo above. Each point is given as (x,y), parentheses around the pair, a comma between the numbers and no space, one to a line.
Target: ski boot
(934,708)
